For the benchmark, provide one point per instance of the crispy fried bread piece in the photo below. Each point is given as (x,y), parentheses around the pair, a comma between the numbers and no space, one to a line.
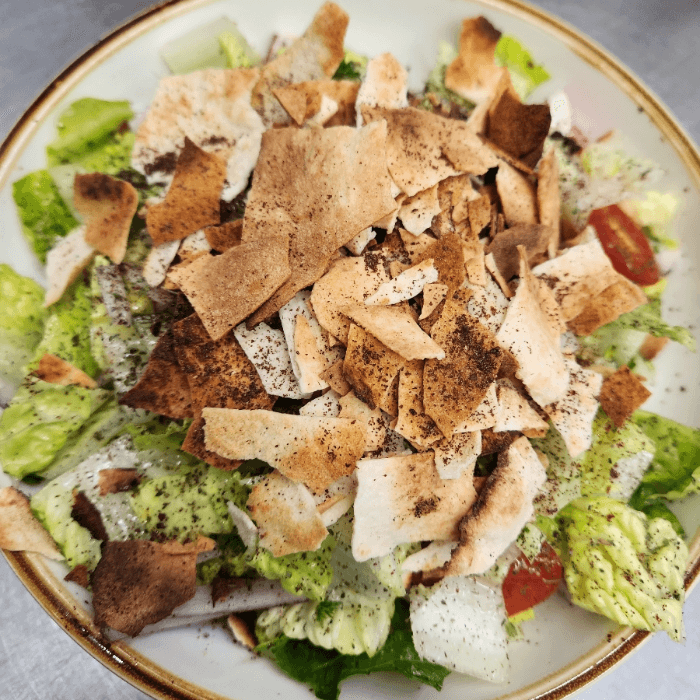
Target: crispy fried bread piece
(54,370)
(20,531)
(65,261)
(621,395)
(303,101)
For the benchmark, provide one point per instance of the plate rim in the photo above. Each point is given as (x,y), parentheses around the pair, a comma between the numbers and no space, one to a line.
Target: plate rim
(135,668)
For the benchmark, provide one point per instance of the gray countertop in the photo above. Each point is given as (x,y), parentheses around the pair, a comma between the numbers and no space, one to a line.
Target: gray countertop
(658,39)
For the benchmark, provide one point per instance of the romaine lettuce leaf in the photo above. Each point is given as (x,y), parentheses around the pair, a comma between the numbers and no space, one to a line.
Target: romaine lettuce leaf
(324,670)
(44,215)
(22,318)
(352,67)
(86,126)
(620,564)
(525,74)
(239,53)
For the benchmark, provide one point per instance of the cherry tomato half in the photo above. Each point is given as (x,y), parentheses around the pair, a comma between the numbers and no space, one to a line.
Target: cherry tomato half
(625,244)
(529,583)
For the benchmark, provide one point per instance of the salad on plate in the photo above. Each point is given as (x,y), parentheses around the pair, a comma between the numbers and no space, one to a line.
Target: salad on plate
(358,369)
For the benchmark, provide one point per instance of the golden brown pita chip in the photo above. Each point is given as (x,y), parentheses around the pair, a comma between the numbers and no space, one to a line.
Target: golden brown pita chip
(285,513)
(533,237)
(306,186)
(313,56)
(448,258)
(241,632)
(517,194)
(79,574)
(474,74)
(479,211)
(313,449)
(385,85)
(455,386)
(54,370)
(137,583)
(548,198)
(424,148)
(610,304)
(372,370)
(336,379)
(163,387)
(416,245)
(352,407)
(417,212)
(20,531)
(652,346)
(621,395)
(108,205)
(303,100)
(69,256)
(433,295)
(517,128)
(195,444)
(192,201)
(224,236)
(412,422)
(396,329)
(117,480)
(225,289)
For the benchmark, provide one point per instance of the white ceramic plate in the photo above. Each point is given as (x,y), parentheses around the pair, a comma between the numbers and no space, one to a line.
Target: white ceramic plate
(566,647)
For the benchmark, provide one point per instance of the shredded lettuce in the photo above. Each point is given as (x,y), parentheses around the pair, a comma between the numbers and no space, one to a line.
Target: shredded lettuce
(22,318)
(525,74)
(324,670)
(352,67)
(622,565)
(88,126)
(44,215)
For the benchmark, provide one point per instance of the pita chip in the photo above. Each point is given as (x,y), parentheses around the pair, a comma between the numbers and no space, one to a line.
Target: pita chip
(514,412)
(158,261)
(352,407)
(137,583)
(163,387)
(192,201)
(456,457)
(305,186)
(312,449)
(434,556)
(193,246)
(474,74)
(527,333)
(303,101)
(20,531)
(225,289)
(357,244)
(408,284)
(372,369)
(267,349)
(65,261)
(487,303)
(224,236)
(504,246)
(325,405)
(484,416)
(336,379)
(577,276)
(454,386)
(617,299)
(475,265)
(395,328)
(652,346)
(417,212)
(490,264)
(549,199)
(424,148)
(403,499)
(416,245)
(573,414)
(433,295)
(195,444)
(412,422)
(479,212)
(117,480)
(518,196)
(286,516)
(107,205)
(313,56)
(385,85)
(447,254)
(54,370)
(502,509)
(621,395)
(519,129)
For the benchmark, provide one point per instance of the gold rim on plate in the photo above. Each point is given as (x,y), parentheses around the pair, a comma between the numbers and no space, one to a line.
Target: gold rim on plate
(137,669)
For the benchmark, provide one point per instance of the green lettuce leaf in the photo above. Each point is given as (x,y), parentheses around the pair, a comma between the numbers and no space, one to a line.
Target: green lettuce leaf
(352,67)
(87,126)
(22,317)
(622,565)
(324,670)
(436,81)
(44,215)
(238,52)
(42,420)
(525,74)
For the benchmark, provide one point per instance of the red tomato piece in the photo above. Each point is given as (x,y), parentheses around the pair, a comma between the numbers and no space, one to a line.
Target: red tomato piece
(625,244)
(529,583)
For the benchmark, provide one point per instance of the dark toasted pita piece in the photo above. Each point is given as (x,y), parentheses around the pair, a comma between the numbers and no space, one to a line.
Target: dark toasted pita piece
(448,258)
(117,480)
(108,205)
(455,386)
(492,442)
(54,370)
(78,574)
(224,236)
(163,388)
(533,237)
(652,346)
(225,289)
(194,443)
(621,395)
(85,514)
(517,128)
(20,531)
(192,201)
(137,583)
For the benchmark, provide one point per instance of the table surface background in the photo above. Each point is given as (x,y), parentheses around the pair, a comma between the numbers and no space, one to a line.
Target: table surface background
(658,39)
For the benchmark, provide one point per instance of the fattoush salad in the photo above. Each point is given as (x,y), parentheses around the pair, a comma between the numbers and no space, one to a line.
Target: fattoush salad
(358,369)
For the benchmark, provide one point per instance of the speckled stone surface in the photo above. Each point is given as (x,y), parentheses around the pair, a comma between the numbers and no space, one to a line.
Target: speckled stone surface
(658,39)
